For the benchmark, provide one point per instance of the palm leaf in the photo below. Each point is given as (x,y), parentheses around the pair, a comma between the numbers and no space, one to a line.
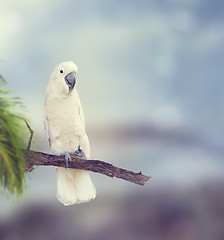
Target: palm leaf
(12,130)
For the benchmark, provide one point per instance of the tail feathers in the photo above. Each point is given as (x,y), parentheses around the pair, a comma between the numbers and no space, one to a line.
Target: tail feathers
(74,186)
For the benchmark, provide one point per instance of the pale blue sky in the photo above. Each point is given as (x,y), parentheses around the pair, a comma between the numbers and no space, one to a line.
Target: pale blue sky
(147,60)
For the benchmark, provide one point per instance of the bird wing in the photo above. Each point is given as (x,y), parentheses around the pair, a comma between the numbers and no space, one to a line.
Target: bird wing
(46,127)
(83,140)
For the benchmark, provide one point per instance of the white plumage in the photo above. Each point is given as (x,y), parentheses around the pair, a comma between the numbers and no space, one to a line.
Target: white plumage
(65,125)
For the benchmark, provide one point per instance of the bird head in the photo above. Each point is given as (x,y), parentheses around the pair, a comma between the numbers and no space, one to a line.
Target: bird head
(63,78)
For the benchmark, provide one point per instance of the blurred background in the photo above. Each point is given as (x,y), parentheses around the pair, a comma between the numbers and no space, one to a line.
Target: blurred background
(151,84)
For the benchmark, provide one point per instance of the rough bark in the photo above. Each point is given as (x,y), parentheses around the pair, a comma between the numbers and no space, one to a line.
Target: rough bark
(43,159)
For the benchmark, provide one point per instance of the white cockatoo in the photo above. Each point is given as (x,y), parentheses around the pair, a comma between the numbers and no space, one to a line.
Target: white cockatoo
(65,125)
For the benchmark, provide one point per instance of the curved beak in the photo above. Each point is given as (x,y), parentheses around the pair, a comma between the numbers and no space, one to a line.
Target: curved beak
(70,80)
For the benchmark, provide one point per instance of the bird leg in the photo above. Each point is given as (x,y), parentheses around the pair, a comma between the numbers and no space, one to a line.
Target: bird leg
(67,158)
(79,152)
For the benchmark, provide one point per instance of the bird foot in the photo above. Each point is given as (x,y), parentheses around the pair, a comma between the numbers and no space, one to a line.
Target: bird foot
(67,158)
(79,152)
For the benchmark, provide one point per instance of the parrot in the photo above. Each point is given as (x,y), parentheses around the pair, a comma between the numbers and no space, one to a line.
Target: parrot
(65,127)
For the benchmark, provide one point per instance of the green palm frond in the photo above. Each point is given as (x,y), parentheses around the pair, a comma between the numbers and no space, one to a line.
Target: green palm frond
(12,130)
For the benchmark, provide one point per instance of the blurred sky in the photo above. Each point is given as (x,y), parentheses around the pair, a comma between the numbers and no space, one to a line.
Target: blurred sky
(147,59)
(140,62)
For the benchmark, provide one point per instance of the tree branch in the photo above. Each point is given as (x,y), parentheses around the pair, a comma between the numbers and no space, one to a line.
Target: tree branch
(31,136)
(43,159)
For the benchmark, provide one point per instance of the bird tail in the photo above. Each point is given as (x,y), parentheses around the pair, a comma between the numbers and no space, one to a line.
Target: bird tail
(74,186)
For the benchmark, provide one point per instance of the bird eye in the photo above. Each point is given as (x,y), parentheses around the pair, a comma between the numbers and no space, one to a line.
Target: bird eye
(61,71)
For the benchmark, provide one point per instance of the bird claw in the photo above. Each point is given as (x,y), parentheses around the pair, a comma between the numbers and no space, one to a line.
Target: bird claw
(67,158)
(79,152)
